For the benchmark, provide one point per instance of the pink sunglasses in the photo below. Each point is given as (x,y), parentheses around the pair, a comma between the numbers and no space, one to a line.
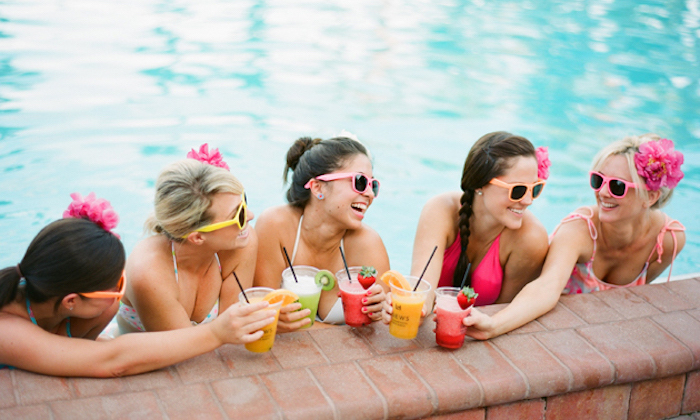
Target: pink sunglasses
(361,183)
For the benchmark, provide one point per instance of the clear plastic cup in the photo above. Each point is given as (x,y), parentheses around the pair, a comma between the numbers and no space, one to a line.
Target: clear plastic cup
(351,294)
(264,344)
(407,306)
(449,330)
(305,287)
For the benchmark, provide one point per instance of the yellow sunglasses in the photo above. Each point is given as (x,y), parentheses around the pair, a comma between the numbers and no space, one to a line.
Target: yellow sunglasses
(240,219)
(109,294)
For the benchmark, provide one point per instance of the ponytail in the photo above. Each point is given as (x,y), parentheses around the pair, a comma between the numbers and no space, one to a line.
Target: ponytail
(9,284)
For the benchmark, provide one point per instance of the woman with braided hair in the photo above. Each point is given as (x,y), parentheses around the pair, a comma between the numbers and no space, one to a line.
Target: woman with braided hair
(485,232)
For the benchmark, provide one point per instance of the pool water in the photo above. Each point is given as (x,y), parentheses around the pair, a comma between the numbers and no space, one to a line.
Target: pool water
(99,96)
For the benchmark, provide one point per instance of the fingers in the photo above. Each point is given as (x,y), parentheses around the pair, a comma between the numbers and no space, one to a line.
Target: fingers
(292,307)
(285,326)
(387,309)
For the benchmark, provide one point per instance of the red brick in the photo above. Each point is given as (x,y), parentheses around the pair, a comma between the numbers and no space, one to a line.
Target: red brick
(135,405)
(39,412)
(402,388)
(475,414)
(351,392)
(163,378)
(188,402)
(631,363)
(33,388)
(685,329)
(455,388)
(628,304)
(206,367)
(295,350)
(90,387)
(695,313)
(530,327)
(670,356)
(426,333)
(501,382)
(688,290)
(84,408)
(590,308)
(341,344)
(379,339)
(611,402)
(657,399)
(589,368)
(297,394)
(560,317)
(662,298)
(245,398)
(528,409)
(242,362)
(7,391)
(691,394)
(490,310)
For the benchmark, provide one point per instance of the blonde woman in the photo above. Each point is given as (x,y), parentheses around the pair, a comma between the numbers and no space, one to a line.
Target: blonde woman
(183,275)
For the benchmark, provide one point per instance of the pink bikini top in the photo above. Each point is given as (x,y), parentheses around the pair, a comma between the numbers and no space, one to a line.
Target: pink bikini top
(486,279)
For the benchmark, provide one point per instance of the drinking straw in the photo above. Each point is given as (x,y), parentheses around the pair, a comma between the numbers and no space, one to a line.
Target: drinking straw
(342,254)
(239,285)
(466,273)
(426,267)
(290,265)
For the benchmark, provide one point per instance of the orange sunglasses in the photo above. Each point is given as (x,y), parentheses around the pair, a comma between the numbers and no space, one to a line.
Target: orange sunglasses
(109,294)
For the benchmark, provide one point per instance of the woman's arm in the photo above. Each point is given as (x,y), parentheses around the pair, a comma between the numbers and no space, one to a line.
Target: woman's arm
(29,347)
(656,268)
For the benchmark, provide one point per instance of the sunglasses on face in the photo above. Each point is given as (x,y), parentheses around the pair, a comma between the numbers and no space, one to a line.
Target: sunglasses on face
(109,294)
(617,187)
(516,192)
(361,183)
(240,219)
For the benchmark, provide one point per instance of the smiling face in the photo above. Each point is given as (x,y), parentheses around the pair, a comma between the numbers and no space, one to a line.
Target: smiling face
(341,202)
(614,208)
(224,207)
(523,169)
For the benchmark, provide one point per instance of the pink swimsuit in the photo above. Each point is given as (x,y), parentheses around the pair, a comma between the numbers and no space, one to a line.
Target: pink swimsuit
(583,280)
(487,278)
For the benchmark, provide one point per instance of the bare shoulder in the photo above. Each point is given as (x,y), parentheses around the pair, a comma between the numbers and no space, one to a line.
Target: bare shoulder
(444,204)
(278,219)
(149,261)
(674,236)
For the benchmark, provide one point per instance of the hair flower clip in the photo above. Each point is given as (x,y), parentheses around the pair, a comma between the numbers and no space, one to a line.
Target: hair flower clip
(543,162)
(659,164)
(213,158)
(97,210)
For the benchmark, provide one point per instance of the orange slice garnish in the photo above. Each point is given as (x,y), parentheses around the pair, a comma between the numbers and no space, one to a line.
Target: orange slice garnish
(281,295)
(397,279)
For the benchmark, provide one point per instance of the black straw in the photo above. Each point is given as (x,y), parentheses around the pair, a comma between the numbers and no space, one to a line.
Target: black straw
(239,285)
(342,254)
(290,265)
(466,274)
(426,267)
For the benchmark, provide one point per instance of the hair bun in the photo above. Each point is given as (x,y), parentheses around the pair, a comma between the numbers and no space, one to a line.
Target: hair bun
(300,146)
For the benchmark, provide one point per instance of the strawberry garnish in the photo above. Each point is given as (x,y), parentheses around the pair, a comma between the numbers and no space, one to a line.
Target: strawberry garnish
(367,276)
(466,297)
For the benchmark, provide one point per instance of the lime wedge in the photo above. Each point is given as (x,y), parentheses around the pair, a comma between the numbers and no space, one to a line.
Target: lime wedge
(325,279)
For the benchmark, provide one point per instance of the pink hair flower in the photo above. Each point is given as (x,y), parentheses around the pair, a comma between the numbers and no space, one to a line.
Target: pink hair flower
(97,210)
(213,158)
(543,162)
(659,164)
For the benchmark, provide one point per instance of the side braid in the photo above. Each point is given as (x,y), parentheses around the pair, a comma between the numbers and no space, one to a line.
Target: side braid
(465,213)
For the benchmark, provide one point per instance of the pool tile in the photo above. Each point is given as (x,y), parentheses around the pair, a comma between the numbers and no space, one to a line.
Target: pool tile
(7,391)
(203,368)
(559,318)
(530,327)
(662,298)
(189,401)
(246,398)
(626,303)
(426,335)
(135,405)
(39,412)
(691,394)
(242,362)
(90,387)
(379,339)
(695,313)
(405,393)
(610,402)
(572,350)
(297,394)
(162,378)
(685,329)
(351,392)
(657,399)
(688,290)
(82,409)
(500,381)
(528,409)
(297,349)
(33,388)
(589,308)
(474,414)
(341,344)
(454,387)
(545,374)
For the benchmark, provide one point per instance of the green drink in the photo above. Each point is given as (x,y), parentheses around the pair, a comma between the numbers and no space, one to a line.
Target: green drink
(305,287)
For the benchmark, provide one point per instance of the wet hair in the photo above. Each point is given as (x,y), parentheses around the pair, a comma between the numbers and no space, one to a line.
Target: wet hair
(67,256)
(628,147)
(309,158)
(184,193)
(489,157)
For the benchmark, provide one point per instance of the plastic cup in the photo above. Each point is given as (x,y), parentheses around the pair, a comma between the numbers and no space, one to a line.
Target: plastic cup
(256,294)
(308,291)
(351,294)
(449,330)
(407,306)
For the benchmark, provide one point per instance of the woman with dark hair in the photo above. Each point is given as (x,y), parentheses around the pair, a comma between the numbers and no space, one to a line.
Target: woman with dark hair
(485,236)
(331,189)
(69,284)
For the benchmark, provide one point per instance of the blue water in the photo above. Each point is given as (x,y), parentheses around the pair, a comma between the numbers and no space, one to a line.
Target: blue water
(99,96)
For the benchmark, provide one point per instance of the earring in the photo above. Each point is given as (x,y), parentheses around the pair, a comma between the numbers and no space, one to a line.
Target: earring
(479,192)
(320,196)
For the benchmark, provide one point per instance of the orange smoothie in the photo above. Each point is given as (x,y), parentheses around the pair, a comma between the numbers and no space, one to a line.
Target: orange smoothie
(407,306)
(264,344)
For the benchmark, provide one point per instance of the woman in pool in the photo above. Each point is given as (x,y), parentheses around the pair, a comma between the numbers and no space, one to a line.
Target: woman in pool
(484,234)
(69,284)
(625,240)
(184,274)
(331,189)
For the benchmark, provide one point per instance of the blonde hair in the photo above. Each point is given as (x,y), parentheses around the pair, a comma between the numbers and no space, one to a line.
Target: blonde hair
(184,192)
(627,147)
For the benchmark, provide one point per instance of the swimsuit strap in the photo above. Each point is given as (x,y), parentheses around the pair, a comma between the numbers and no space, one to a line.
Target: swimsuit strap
(31,313)
(172,248)
(591,226)
(296,241)
(659,247)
